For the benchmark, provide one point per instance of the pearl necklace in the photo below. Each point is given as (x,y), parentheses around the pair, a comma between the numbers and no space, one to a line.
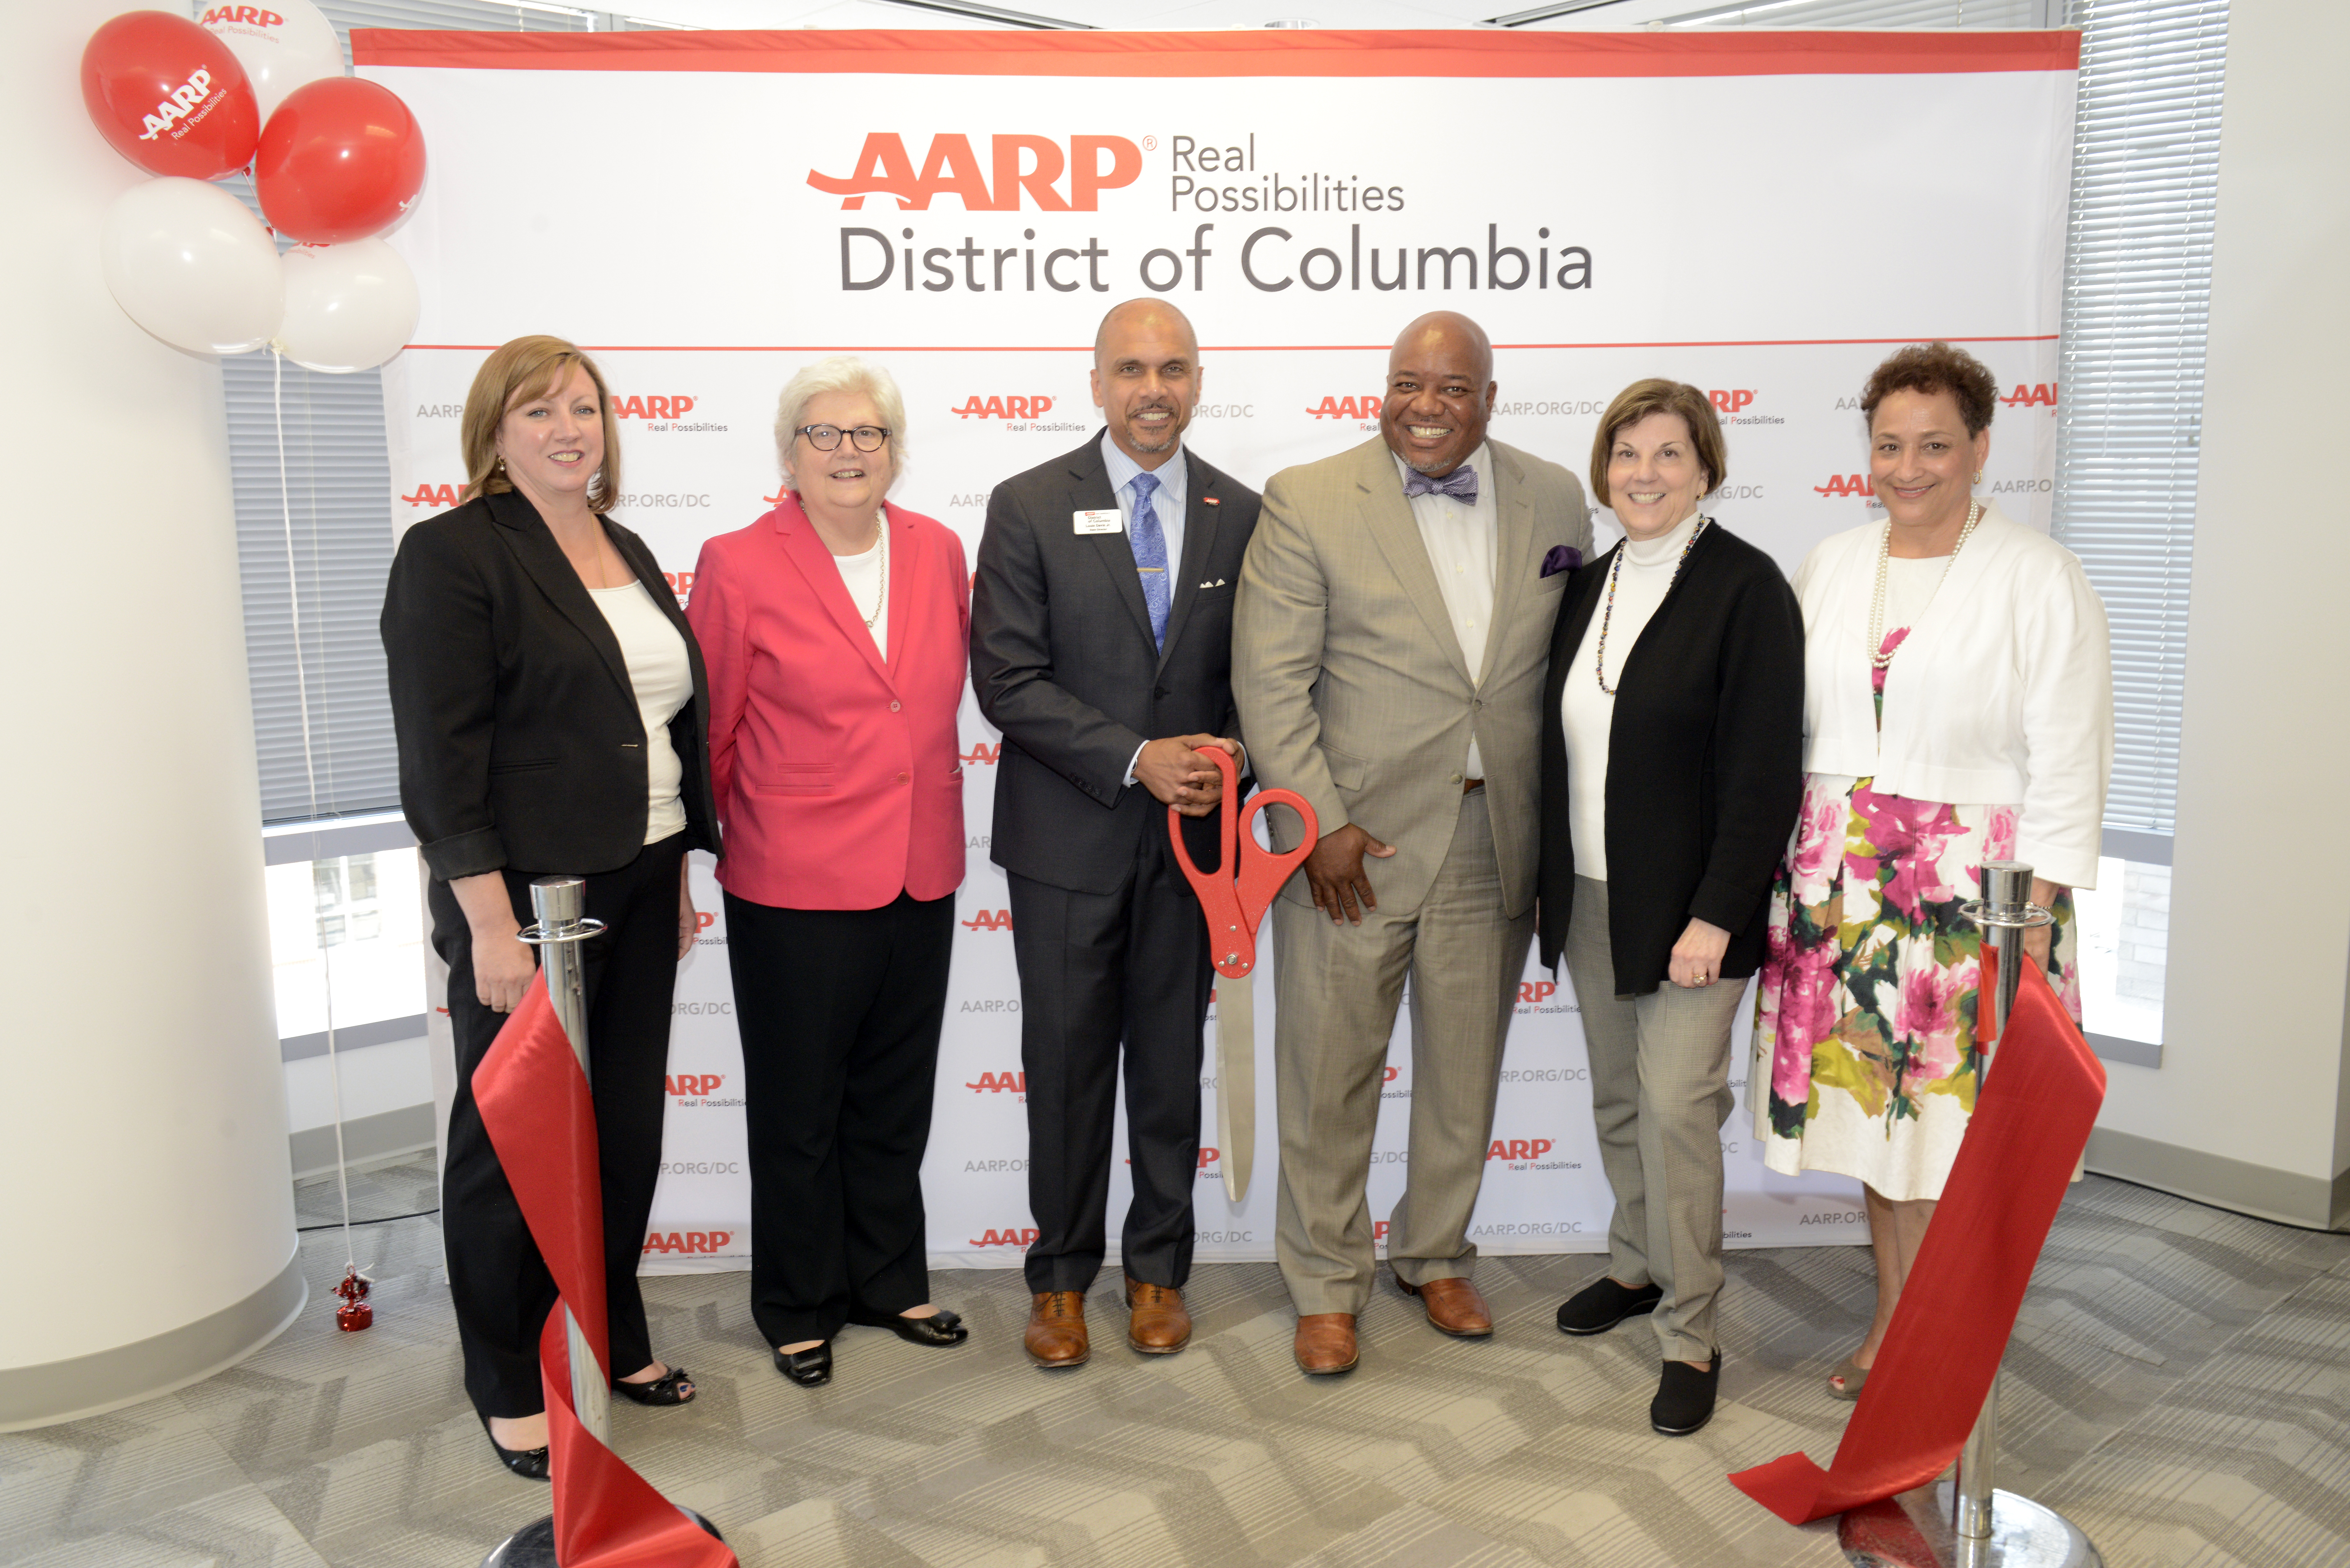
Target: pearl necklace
(881,541)
(1879,655)
(1599,654)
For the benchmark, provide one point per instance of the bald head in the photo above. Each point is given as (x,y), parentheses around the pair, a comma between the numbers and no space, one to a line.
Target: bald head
(1145,377)
(1439,392)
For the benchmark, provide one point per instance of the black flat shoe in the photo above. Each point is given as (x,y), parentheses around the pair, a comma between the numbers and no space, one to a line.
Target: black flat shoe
(941,1328)
(674,1386)
(1603,1303)
(1684,1400)
(528,1463)
(808,1369)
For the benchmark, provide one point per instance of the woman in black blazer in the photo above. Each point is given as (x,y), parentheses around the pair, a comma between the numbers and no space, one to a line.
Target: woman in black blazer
(553,718)
(1672,770)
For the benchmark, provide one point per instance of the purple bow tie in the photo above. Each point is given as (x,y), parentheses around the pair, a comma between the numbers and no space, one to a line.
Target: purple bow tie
(1461,484)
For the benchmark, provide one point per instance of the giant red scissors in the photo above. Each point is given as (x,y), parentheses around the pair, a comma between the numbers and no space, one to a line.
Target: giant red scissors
(1233,898)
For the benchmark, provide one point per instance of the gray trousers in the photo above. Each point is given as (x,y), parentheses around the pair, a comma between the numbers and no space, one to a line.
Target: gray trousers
(1336,987)
(1660,1094)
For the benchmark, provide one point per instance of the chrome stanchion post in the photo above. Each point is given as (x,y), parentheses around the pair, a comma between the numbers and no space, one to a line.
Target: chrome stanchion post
(561,905)
(2005,911)
(1977,1526)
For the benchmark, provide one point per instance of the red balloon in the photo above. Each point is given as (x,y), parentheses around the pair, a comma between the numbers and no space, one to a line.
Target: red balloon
(341,160)
(169,96)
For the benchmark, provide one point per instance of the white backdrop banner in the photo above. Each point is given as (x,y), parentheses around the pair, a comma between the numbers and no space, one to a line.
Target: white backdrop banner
(1764,215)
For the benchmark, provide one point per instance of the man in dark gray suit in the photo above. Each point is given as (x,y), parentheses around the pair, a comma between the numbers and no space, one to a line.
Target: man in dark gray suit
(1101,648)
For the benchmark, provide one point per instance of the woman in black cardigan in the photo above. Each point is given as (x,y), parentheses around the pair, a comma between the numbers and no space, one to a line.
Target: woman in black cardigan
(1672,769)
(553,718)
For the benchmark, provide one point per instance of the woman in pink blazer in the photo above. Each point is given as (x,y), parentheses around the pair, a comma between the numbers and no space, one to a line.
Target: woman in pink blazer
(835,630)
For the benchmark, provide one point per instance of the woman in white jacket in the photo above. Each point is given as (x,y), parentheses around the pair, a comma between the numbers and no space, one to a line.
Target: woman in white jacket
(1958,708)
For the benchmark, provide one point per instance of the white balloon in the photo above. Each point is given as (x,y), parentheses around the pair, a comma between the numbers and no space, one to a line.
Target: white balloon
(348,307)
(189,263)
(281,45)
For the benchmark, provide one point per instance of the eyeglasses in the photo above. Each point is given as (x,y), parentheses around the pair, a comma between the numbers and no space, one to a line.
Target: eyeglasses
(826,438)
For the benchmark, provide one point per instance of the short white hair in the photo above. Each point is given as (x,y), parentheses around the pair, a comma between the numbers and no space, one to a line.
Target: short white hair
(841,373)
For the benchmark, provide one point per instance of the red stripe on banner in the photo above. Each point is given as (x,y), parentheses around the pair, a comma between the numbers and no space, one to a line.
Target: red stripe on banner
(1204,348)
(2031,1121)
(1252,53)
(541,1118)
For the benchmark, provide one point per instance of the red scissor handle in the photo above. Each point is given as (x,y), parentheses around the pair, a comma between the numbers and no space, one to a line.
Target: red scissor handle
(1236,898)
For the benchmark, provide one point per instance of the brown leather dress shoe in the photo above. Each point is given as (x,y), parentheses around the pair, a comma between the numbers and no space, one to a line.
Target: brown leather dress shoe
(1326,1342)
(1453,1306)
(1158,1325)
(1056,1329)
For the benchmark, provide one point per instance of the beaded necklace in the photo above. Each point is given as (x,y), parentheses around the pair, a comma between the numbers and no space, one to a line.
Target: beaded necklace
(1879,655)
(1599,655)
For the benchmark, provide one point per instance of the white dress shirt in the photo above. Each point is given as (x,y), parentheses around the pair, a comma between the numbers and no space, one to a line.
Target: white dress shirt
(1460,541)
(1168,501)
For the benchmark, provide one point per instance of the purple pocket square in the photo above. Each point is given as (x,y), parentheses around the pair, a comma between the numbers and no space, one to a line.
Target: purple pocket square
(1562,558)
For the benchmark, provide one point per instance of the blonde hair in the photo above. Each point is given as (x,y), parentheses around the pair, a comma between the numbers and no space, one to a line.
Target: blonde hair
(517,372)
(841,373)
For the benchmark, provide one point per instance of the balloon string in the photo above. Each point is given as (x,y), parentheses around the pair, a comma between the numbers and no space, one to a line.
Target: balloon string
(310,773)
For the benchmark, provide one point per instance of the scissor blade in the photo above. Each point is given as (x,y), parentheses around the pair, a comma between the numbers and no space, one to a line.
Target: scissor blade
(1236,1080)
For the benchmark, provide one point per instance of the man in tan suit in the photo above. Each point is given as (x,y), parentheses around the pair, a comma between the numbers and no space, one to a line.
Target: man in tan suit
(1389,647)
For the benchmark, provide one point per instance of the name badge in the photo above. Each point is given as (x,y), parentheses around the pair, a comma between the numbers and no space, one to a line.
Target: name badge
(1109,522)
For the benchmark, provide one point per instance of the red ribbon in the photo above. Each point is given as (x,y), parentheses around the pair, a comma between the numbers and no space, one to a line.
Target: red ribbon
(2032,1120)
(541,1119)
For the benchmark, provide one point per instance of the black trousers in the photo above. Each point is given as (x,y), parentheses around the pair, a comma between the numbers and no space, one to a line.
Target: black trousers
(1098,970)
(839,1012)
(499,1283)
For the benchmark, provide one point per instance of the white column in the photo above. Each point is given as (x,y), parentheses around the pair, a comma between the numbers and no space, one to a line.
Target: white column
(144,1168)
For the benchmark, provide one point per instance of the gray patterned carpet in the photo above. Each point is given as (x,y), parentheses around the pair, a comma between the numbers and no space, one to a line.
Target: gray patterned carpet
(2179,1387)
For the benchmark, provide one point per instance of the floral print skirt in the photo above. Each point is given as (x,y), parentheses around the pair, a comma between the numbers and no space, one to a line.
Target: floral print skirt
(1864,1016)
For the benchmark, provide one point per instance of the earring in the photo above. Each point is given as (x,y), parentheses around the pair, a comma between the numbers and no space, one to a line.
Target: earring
(1977,476)
(502,467)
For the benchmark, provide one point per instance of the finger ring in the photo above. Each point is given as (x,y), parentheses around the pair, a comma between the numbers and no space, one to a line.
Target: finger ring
(1701,977)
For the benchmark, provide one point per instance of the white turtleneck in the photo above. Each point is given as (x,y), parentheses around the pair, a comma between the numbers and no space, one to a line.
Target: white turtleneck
(1588,712)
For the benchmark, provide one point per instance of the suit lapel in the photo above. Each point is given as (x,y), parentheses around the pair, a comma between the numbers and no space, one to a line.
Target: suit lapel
(1202,512)
(533,543)
(1574,617)
(808,551)
(1515,565)
(1089,491)
(1388,517)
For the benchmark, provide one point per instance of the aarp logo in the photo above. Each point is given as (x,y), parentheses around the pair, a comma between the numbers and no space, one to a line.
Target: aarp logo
(1035,406)
(1019,171)
(676,406)
(1847,484)
(1000,1083)
(2039,395)
(989,921)
(1021,1236)
(691,1087)
(1519,1150)
(1730,400)
(1366,407)
(983,754)
(689,1244)
(427,494)
(1211,1162)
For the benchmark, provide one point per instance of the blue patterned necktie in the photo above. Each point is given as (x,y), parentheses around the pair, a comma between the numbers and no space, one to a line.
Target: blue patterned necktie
(1461,484)
(1149,542)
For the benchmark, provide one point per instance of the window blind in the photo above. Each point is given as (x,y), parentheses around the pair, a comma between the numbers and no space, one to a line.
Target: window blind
(1969,13)
(337,488)
(2138,288)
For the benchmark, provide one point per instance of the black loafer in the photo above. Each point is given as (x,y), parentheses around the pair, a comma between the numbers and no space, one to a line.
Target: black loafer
(1603,1303)
(674,1386)
(1684,1400)
(808,1369)
(940,1328)
(528,1463)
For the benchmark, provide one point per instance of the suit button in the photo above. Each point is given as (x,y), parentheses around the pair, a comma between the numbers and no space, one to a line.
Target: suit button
(1456,777)
(893,707)
(903,778)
